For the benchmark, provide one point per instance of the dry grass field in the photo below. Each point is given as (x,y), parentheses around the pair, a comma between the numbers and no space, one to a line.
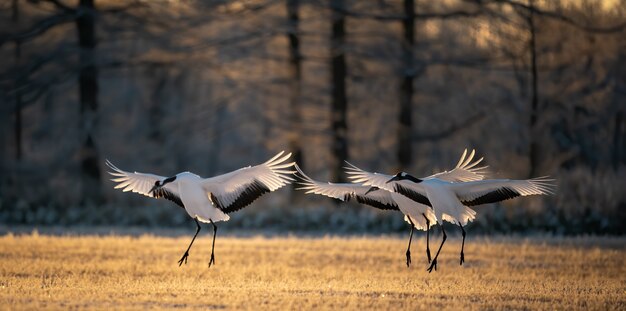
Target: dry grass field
(124,272)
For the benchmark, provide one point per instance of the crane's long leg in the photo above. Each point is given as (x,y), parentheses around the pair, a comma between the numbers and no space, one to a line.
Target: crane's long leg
(212,261)
(434,263)
(408,250)
(186,254)
(462,244)
(427,237)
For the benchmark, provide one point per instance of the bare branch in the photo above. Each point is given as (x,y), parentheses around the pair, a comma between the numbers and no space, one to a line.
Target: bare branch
(450,130)
(39,28)
(124,8)
(562,18)
(60,5)
(400,17)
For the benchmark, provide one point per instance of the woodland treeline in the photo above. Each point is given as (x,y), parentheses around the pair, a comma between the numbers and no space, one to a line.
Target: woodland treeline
(537,87)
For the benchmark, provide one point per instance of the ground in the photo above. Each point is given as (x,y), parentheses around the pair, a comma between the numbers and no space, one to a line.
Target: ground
(40,271)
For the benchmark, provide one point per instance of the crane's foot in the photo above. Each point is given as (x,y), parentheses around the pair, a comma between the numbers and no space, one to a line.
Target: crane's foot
(408,258)
(433,265)
(212,261)
(462,258)
(183,259)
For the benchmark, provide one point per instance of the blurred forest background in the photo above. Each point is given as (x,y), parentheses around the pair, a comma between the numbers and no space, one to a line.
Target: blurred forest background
(163,86)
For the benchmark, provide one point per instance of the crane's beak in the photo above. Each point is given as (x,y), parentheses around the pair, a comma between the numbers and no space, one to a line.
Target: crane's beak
(392,179)
(370,190)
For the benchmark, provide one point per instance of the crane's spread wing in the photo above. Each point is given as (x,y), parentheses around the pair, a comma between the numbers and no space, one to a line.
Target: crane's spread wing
(380,199)
(496,190)
(235,190)
(142,183)
(408,188)
(465,170)
(359,176)
(412,190)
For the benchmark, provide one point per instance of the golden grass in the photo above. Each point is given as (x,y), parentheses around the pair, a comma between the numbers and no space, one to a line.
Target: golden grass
(283,273)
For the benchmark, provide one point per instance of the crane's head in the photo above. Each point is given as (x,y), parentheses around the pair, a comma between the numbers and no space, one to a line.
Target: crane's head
(159,184)
(404,176)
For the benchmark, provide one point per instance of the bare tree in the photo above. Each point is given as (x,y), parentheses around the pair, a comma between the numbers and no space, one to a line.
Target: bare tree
(88,88)
(339,101)
(531,15)
(533,149)
(295,79)
(84,17)
(619,130)
(18,93)
(405,112)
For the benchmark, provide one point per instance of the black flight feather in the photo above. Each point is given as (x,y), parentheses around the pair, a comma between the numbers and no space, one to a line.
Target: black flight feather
(497,195)
(250,193)
(413,195)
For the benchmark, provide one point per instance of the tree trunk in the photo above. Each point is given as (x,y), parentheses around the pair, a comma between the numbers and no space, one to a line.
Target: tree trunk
(155,115)
(88,94)
(618,141)
(18,110)
(406,87)
(533,148)
(18,126)
(338,84)
(219,113)
(619,132)
(295,83)
(15,10)
(15,15)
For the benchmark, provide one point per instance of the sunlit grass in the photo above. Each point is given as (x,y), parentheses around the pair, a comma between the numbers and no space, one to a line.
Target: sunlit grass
(38,271)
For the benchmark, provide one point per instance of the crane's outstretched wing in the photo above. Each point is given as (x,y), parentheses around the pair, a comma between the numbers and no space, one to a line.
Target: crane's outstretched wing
(496,190)
(142,183)
(380,199)
(359,176)
(408,188)
(465,170)
(235,190)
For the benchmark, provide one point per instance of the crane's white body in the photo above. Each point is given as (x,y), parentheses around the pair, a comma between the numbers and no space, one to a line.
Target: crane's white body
(378,198)
(415,212)
(445,203)
(431,187)
(211,199)
(196,199)
(376,192)
(451,195)
(451,199)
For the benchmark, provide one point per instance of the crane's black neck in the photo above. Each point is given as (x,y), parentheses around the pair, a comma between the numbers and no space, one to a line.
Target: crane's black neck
(169,180)
(411,178)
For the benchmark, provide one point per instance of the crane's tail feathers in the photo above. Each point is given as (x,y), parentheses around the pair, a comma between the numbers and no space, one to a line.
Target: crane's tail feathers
(462,219)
